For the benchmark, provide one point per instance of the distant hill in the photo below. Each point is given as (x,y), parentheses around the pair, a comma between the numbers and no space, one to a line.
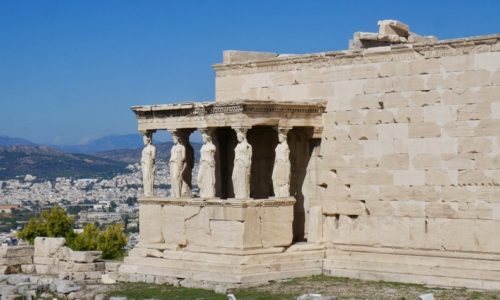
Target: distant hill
(47,163)
(134,155)
(110,142)
(9,141)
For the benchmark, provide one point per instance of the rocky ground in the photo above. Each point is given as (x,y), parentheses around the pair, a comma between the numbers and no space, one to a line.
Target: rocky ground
(46,287)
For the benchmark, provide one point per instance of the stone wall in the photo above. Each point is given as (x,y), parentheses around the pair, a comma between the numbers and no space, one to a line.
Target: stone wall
(410,150)
(174,224)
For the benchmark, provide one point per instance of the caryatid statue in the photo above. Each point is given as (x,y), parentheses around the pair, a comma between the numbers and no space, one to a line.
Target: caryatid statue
(177,165)
(242,165)
(206,172)
(148,158)
(282,168)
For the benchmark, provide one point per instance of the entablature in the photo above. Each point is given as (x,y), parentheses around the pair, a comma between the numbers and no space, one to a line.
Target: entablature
(198,115)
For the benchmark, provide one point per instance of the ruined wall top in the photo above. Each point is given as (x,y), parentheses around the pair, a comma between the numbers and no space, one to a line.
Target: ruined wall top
(393,42)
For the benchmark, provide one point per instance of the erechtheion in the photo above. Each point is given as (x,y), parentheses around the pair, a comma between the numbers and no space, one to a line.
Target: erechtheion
(378,162)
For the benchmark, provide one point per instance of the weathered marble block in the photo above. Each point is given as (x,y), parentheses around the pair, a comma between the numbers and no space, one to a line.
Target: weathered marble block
(215,223)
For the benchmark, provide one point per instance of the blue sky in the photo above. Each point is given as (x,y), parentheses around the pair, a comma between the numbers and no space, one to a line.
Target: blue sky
(70,70)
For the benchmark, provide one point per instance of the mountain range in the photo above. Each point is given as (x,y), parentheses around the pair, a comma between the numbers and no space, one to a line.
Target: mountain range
(47,163)
(102,157)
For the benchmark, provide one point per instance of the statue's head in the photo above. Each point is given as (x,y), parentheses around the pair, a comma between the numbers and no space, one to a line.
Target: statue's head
(147,138)
(175,138)
(281,137)
(241,134)
(206,137)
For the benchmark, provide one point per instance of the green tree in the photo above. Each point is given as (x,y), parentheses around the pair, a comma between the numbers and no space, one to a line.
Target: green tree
(58,223)
(52,223)
(112,242)
(34,228)
(87,240)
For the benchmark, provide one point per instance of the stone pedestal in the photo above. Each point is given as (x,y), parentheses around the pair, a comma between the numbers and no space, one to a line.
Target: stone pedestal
(234,241)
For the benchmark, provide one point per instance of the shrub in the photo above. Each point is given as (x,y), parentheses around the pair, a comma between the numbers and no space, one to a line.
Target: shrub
(52,223)
(56,223)
(112,242)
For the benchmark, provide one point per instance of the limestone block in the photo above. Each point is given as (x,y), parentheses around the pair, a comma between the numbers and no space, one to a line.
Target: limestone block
(363,192)
(320,90)
(424,130)
(47,269)
(344,207)
(413,209)
(460,128)
(495,110)
(364,71)
(276,234)
(456,162)
(233,56)
(350,117)
(473,78)
(455,234)
(16,251)
(476,111)
(351,176)
(379,116)
(359,161)
(410,83)
(488,194)
(395,99)
(487,60)
(488,127)
(425,161)
(28,269)
(485,162)
(16,260)
(458,194)
(495,77)
(441,210)
(483,232)
(474,177)
(424,66)
(173,226)
(440,177)
(363,132)
(270,214)
(82,267)
(474,145)
(198,229)
(393,131)
(366,101)
(378,177)
(84,256)
(315,225)
(389,27)
(40,260)
(339,132)
(425,98)
(347,147)
(380,208)
(440,115)
(408,178)
(378,85)
(253,222)
(48,247)
(408,115)
(150,223)
(390,69)
(433,146)
(107,279)
(226,234)
(457,63)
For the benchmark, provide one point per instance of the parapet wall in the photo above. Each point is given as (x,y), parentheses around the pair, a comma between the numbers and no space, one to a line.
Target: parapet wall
(409,158)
